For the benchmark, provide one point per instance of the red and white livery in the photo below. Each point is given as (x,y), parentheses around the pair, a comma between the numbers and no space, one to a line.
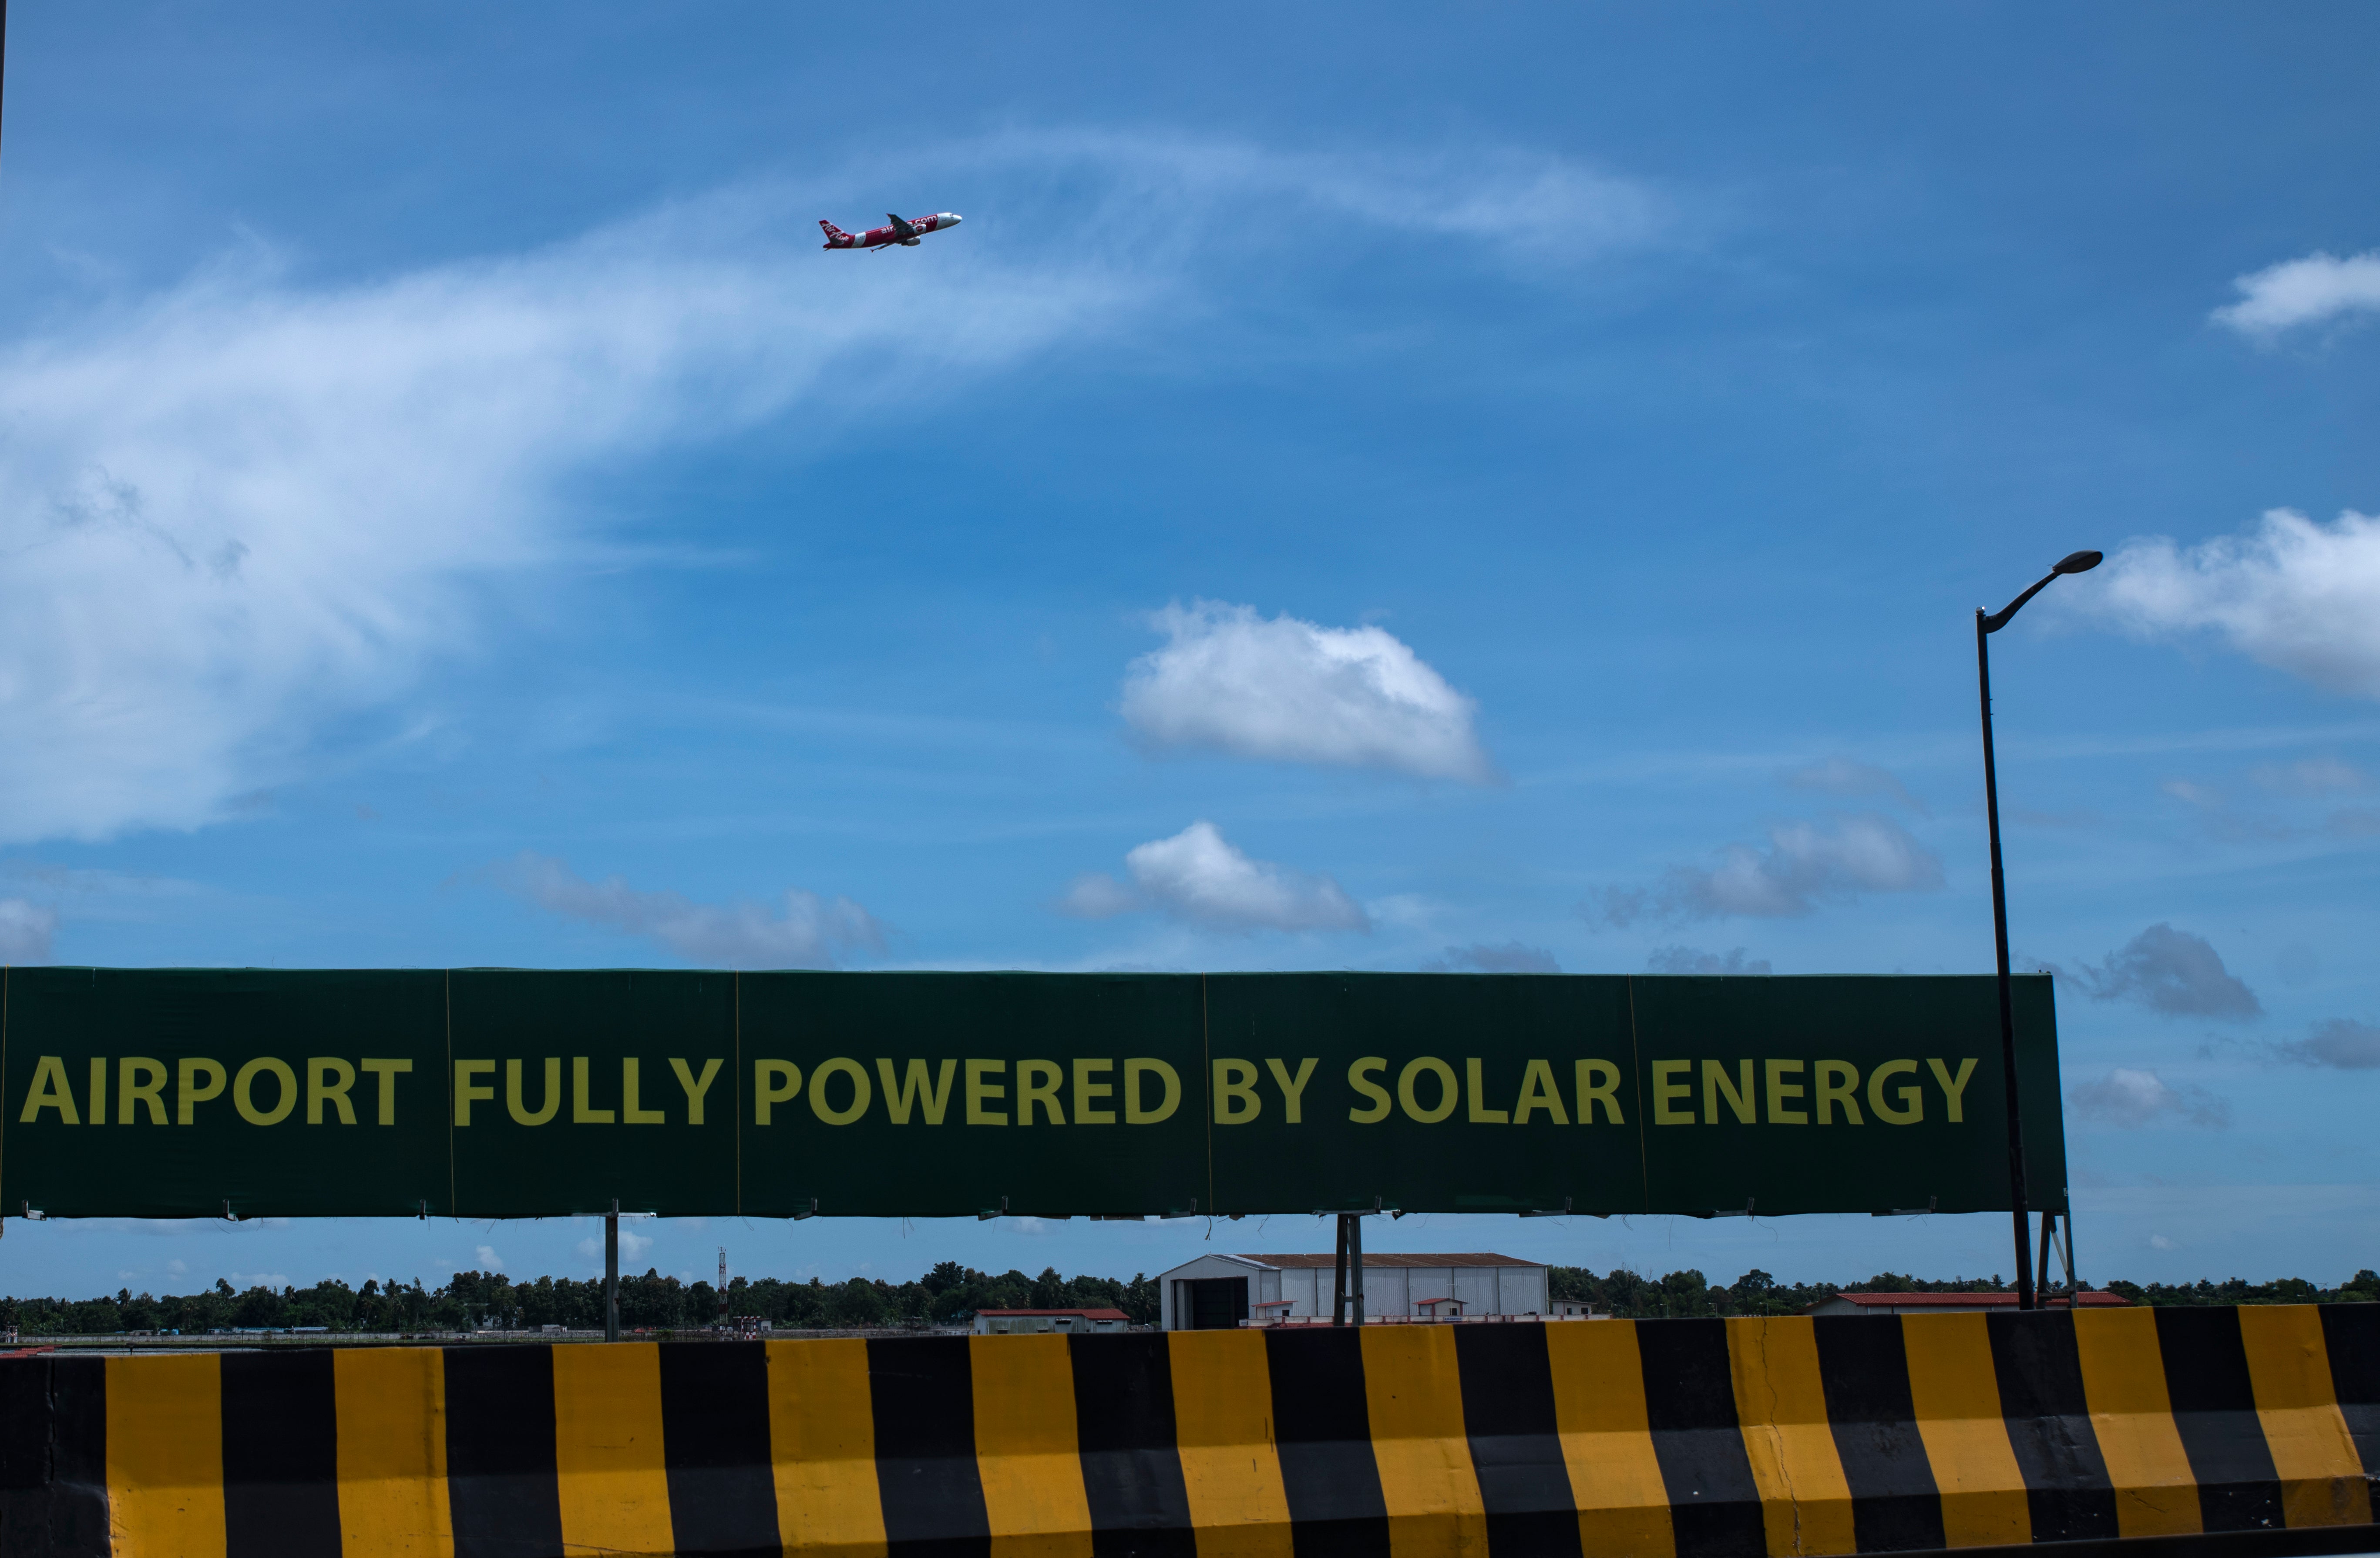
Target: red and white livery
(903,231)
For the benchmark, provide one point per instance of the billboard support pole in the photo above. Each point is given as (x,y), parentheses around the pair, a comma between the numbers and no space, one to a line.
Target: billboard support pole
(612,1274)
(1356,1265)
(1338,1278)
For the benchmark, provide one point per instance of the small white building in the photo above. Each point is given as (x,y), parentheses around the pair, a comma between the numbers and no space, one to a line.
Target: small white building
(1010,1323)
(1216,1292)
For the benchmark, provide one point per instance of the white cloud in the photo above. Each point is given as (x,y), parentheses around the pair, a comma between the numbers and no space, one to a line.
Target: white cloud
(489,1260)
(807,932)
(1229,680)
(1198,876)
(2159,1241)
(2298,292)
(2295,594)
(1805,865)
(258,1279)
(2129,1098)
(632,1246)
(26,929)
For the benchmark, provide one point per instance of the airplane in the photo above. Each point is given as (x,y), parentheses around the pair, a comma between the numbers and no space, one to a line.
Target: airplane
(902,232)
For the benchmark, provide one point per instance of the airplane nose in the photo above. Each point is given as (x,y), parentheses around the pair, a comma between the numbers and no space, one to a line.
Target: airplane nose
(953,218)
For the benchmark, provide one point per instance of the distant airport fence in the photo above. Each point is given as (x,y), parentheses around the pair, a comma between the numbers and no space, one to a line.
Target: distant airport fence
(2253,1429)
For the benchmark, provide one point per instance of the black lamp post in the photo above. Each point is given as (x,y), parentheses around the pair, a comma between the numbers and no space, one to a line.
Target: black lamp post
(1987,624)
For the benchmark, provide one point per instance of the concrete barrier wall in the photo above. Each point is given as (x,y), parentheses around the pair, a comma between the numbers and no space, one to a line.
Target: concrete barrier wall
(1664,1439)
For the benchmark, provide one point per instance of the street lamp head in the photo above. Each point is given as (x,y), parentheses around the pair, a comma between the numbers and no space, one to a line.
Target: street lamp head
(2077,562)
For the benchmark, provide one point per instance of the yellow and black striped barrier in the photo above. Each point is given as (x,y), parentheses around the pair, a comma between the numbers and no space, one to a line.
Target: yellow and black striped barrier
(2251,1429)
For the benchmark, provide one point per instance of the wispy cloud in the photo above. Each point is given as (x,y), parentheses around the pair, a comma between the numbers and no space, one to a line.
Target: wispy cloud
(1693,960)
(2296,594)
(1846,775)
(2339,1044)
(1803,865)
(1512,957)
(2313,290)
(247,504)
(26,931)
(1549,209)
(804,931)
(1200,876)
(1229,680)
(2131,1098)
(2168,971)
(2313,775)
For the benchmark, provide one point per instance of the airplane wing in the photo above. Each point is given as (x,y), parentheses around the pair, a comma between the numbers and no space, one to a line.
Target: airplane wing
(901,229)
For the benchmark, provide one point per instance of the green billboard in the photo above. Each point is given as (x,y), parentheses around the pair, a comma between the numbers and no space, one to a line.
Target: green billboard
(492,1093)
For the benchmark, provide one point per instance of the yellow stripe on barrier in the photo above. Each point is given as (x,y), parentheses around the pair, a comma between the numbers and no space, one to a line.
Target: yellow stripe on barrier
(2289,1367)
(822,1450)
(1956,1396)
(1222,1432)
(164,1456)
(2123,1382)
(607,1450)
(1805,1500)
(1414,1394)
(392,1426)
(1026,1451)
(1607,1440)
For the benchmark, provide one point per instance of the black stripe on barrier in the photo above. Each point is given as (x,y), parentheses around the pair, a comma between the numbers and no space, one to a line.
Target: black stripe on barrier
(1508,1414)
(2215,1410)
(25,1424)
(2040,1375)
(79,1513)
(2351,1334)
(280,1454)
(1131,1474)
(1690,1405)
(922,1390)
(1864,1368)
(722,1490)
(500,1473)
(2305,1541)
(1322,1431)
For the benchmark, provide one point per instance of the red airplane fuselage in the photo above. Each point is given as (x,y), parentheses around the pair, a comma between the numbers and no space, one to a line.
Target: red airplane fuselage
(904,231)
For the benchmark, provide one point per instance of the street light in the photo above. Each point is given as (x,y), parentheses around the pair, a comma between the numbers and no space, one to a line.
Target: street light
(1987,624)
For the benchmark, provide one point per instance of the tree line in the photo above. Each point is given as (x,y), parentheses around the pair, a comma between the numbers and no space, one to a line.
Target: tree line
(1630,1297)
(948,1294)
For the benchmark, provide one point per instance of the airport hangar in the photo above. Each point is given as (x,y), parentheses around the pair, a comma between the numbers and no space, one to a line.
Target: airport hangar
(1217,1292)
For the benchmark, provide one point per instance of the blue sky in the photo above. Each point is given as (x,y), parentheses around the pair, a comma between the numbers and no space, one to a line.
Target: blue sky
(1377,488)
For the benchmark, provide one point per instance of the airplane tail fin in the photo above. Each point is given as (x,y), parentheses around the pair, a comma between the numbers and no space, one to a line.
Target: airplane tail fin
(831,231)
